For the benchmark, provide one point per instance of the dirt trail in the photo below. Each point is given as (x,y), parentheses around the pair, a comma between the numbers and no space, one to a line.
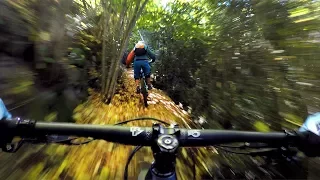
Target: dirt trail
(100,159)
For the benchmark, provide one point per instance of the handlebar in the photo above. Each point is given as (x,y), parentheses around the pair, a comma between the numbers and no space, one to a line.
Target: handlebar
(143,136)
(214,137)
(123,135)
(164,141)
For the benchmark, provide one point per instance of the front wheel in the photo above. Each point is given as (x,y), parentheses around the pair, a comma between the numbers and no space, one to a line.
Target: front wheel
(146,173)
(145,167)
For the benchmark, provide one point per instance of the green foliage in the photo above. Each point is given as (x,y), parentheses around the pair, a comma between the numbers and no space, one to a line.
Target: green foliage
(77,57)
(249,65)
(262,127)
(234,62)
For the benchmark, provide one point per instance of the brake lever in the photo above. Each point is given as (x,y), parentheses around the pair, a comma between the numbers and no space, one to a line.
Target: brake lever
(284,152)
(66,140)
(254,145)
(268,152)
(12,147)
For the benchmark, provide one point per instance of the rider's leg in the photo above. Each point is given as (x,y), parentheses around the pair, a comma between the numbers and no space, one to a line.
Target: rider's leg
(136,71)
(137,86)
(147,71)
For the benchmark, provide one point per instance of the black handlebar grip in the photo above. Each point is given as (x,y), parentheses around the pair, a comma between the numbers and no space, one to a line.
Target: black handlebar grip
(124,135)
(309,144)
(207,137)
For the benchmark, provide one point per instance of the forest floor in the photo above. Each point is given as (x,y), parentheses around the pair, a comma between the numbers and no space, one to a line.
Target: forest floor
(100,159)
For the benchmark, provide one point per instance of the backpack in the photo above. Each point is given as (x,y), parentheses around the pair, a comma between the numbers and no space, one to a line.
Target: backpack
(137,51)
(140,51)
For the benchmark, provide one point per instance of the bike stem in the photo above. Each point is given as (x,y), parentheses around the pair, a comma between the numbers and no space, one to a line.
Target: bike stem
(164,150)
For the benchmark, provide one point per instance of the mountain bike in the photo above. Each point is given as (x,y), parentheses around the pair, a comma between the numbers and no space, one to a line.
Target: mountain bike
(144,89)
(164,140)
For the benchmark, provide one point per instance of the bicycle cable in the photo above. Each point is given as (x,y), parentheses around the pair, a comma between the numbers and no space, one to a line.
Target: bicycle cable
(136,149)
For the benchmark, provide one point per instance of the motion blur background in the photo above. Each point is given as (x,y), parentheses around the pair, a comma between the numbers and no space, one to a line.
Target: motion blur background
(227,64)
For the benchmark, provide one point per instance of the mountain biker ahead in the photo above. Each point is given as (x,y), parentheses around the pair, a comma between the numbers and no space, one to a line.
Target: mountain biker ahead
(141,55)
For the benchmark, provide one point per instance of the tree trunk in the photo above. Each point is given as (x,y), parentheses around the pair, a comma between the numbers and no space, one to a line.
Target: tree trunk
(110,85)
(58,31)
(112,69)
(105,20)
(40,42)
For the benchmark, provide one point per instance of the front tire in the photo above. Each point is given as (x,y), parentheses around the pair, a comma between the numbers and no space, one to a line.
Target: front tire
(144,173)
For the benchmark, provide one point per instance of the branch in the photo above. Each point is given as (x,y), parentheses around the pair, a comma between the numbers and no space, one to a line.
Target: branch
(85,5)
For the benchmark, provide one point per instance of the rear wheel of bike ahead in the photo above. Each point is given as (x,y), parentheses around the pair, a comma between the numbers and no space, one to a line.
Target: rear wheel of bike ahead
(144,92)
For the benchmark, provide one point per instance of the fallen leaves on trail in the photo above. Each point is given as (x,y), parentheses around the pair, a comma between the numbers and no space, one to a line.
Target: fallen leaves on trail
(104,160)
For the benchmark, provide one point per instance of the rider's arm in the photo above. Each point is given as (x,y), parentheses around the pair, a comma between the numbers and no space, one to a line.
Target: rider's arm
(311,142)
(4,114)
(312,124)
(151,54)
